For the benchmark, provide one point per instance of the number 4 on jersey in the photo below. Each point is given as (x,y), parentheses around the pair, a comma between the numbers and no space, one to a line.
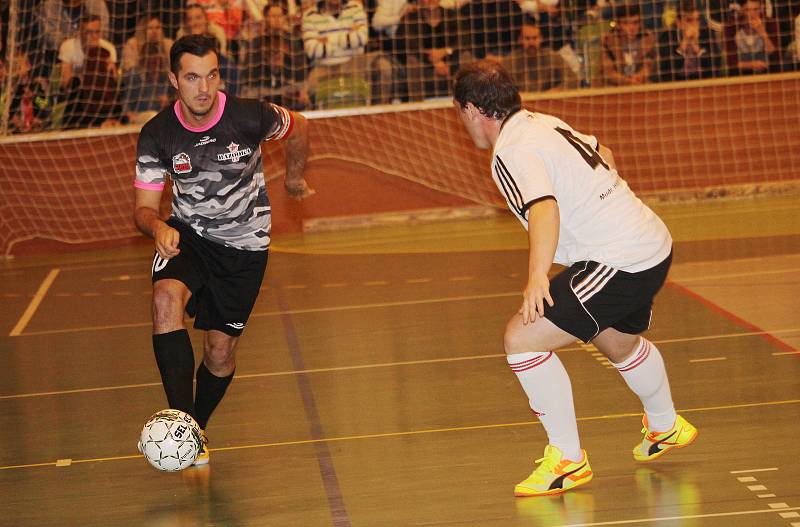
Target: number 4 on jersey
(589,154)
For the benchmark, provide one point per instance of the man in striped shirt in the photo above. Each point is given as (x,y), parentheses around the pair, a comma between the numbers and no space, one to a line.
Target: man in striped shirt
(564,188)
(335,35)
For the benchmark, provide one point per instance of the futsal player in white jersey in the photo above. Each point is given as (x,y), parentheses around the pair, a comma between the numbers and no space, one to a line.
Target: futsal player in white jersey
(564,188)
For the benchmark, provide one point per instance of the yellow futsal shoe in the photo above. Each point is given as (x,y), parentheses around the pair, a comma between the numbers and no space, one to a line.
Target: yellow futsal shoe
(656,444)
(203,457)
(555,475)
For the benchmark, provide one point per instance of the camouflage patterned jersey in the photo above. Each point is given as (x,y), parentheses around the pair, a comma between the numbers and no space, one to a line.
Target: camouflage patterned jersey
(217,171)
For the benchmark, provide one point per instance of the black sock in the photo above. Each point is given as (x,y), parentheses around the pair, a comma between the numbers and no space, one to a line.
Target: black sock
(210,390)
(175,361)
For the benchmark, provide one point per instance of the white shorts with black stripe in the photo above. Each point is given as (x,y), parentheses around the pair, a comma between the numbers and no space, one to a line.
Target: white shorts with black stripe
(590,297)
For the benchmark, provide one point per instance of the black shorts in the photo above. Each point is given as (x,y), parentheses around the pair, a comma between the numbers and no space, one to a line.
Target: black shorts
(224,281)
(590,297)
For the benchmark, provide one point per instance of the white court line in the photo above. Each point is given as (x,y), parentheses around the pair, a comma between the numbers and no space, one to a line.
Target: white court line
(709,359)
(34,305)
(671,518)
(754,470)
(778,353)
(735,275)
(367,366)
(379,305)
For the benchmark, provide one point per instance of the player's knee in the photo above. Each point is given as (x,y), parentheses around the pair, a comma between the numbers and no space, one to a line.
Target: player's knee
(219,358)
(167,301)
(514,341)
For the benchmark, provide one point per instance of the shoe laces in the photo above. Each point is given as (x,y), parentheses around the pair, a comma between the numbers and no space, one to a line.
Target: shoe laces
(548,462)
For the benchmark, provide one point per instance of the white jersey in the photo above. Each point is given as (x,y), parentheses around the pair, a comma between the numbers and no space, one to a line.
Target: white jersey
(538,155)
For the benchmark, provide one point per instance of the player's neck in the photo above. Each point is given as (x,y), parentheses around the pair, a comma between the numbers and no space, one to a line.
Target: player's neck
(199,121)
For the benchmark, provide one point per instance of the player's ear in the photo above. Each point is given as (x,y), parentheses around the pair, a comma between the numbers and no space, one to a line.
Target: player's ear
(172,79)
(472,111)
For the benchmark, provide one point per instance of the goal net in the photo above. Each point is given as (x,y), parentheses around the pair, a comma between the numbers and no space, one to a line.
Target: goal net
(694,101)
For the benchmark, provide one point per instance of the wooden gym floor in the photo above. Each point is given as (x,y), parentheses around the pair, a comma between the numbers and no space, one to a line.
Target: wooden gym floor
(372,390)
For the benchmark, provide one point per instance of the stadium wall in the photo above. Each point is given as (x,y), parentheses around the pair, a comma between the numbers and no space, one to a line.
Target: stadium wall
(694,139)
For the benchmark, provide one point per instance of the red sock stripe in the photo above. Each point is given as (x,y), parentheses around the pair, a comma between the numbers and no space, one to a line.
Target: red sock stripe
(644,352)
(526,365)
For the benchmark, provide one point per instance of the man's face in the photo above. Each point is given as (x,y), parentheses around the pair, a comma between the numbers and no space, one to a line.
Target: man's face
(196,21)
(275,18)
(197,82)
(153,30)
(531,39)
(751,10)
(471,122)
(91,34)
(629,25)
(690,19)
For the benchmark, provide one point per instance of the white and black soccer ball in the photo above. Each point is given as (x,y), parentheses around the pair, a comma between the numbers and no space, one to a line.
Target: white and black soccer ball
(170,440)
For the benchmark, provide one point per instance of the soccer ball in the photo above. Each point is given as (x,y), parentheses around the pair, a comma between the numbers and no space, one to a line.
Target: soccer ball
(170,440)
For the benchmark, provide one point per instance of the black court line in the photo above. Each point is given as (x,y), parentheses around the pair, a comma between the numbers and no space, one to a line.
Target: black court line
(326,466)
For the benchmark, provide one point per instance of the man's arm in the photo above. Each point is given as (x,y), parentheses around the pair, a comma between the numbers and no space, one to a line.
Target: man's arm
(296,155)
(147,220)
(543,226)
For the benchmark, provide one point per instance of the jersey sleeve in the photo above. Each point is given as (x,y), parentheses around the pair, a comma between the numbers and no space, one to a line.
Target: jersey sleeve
(276,122)
(523,179)
(151,174)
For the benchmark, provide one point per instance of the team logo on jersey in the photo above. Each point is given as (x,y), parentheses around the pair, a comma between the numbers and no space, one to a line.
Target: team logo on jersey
(205,140)
(181,163)
(233,153)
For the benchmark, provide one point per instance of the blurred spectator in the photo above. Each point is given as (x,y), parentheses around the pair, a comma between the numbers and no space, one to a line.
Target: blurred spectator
(273,62)
(72,52)
(492,26)
(148,29)
(195,22)
(230,16)
(433,48)
(547,15)
(267,73)
(335,36)
(791,60)
(688,50)
(751,41)
(146,86)
(59,20)
(29,108)
(535,67)
(628,50)
(89,77)
(227,14)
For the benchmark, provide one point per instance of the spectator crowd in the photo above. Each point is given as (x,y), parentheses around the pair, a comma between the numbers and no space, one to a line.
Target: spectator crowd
(89,63)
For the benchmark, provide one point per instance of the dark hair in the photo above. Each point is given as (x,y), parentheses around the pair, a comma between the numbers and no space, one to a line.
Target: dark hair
(275,3)
(489,87)
(687,6)
(88,18)
(626,11)
(197,45)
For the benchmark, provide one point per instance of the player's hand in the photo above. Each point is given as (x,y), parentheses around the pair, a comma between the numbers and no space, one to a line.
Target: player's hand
(298,189)
(167,240)
(536,293)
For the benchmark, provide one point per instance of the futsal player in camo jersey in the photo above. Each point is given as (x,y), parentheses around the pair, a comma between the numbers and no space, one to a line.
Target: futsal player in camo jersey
(211,253)
(564,188)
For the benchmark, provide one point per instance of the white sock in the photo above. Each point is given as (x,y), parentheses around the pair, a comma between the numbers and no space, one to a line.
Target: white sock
(549,392)
(646,376)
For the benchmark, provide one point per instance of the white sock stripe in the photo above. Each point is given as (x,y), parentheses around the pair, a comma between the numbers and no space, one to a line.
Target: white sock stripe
(640,359)
(530,363)
(598,285)
(586,282)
